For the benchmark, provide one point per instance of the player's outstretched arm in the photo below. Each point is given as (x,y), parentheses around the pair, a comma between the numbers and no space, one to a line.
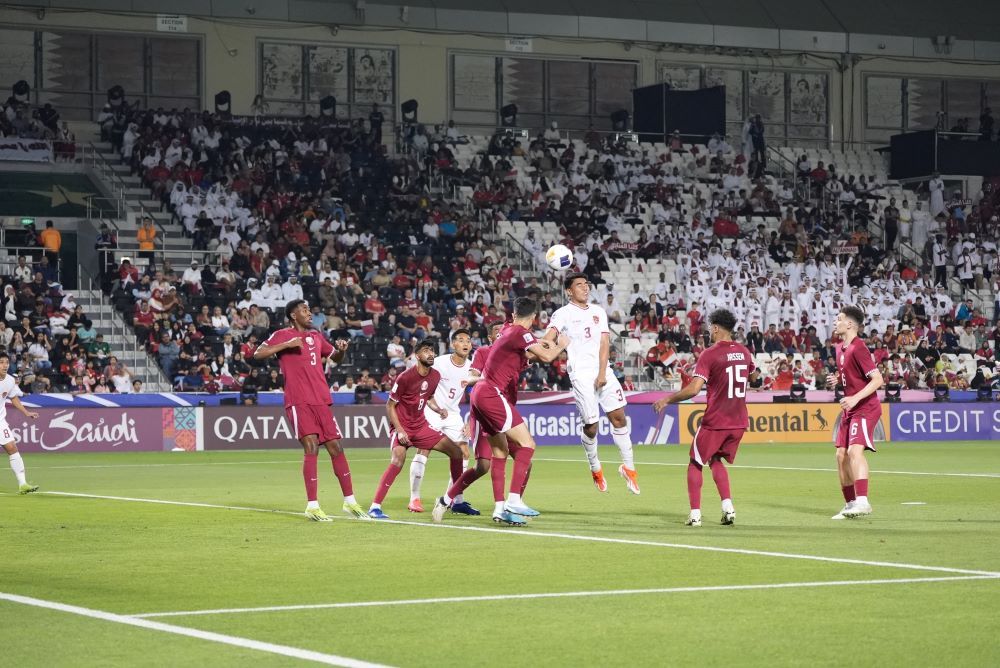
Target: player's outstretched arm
(265,351)
(547,353)
(16,403)
(687,392)
(437,409)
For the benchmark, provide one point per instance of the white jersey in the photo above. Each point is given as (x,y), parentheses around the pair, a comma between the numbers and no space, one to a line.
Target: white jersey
(8,390)
(584,325)
(454,378)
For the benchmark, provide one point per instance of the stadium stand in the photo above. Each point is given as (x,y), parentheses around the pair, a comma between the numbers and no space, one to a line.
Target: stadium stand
(440,235)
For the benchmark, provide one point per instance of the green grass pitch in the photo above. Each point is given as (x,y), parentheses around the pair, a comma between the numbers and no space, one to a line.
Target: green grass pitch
(937,532)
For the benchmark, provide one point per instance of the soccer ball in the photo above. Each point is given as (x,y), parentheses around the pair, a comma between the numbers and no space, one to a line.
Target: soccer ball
(559,258)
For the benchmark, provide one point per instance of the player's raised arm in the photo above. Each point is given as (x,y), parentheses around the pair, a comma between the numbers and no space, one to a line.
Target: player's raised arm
(265,350)
(687,392)
(336,355)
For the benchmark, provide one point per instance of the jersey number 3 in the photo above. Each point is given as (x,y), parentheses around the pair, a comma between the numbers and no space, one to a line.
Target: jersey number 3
(737,375)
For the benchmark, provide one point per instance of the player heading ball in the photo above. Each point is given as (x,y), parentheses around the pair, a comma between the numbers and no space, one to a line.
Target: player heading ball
(595,387)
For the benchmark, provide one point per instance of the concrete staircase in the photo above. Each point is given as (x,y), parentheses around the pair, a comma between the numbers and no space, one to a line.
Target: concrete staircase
(171,244)
(122,339)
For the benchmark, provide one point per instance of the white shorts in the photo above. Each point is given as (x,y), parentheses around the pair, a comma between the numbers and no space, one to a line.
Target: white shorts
(6,433)
(452,426)
(588,400)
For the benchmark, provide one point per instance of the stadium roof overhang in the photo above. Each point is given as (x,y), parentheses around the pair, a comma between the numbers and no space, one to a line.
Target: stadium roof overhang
(959,30)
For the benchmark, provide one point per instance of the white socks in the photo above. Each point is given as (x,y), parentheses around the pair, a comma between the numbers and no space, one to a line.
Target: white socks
(621,437)
(515,499)
(312,505)
(860,499)
(590,445)
(417,475)
(497,508)
(350,499)
(695,514)
(727,506)
(17,466)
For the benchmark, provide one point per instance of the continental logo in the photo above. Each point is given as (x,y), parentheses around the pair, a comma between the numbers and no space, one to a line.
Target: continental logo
(773,423)
(787,421)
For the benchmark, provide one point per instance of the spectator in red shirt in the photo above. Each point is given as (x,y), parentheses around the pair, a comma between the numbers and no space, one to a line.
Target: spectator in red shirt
(374,307)
(401,281)
(789,341)
(142,319)
(628,385)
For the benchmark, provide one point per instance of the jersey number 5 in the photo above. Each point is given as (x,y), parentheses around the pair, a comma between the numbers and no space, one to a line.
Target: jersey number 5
(737,375)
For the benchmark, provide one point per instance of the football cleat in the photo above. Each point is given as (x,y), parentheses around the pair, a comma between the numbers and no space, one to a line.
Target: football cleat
(440,508)
(599,482)
(842,515)
(464,508)
(728,517)
(317,515)
(693,521)
(522,510)
(377,514)
(355,510)
(631,478)
(510,519)
(27,488)
(858,509)
(415,506)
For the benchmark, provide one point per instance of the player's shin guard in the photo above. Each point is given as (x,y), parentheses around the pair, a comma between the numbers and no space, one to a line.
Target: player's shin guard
(417,467)
(694,478)
(721,477)
(522,463)
(623,439)
(17,466)
(590,445)
(342,470)
(861,487)
(498,472)
(310,477)
(385,483)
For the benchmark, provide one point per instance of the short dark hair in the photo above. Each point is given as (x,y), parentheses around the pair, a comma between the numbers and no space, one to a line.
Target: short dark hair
(723,318)
(495,323)
(4,355)
(458,332)
(568,281)
(292,305)
(855,314)
(525,307)
(424,344)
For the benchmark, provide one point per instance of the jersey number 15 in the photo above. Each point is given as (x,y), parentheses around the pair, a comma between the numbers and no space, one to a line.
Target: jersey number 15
(737,375)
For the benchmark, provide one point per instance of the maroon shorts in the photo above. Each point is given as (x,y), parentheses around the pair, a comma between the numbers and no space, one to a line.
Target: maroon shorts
(858,428)
(424,438)
(491,409)
(709,443)
(309,419)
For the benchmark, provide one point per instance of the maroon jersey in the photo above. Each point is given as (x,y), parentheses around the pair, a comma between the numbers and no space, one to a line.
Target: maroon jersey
(305,383)
(725,368)
(411,392)
(479,359)
(855,366)
(507,359)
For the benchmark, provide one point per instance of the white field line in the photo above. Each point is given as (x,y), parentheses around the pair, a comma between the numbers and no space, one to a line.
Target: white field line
(564,536)
(236,641)
(354,457)
(786,468)
(563,594)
